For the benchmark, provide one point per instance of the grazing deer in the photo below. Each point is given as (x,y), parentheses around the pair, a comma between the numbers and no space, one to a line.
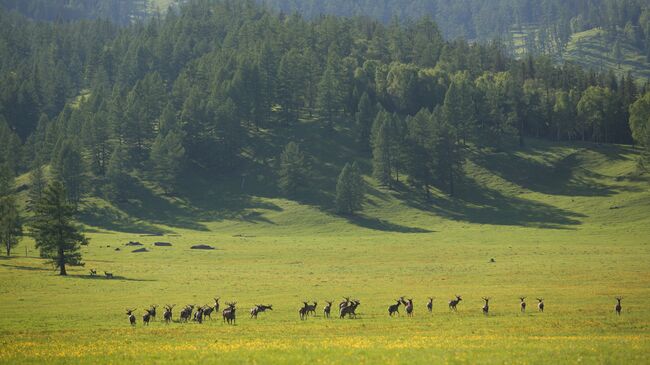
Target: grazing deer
(260,308)
(129,312)
(167,316)
(207,311)
(327,309)
(392,309)
(109,275)
(229,313)
(430,304)
(93,272)
(454,302)
(486,307)
(540,305)
(618,305)
(312,308)
(523,304)
(409,308)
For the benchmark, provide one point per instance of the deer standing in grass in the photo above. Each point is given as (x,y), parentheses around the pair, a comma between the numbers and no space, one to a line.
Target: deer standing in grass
(394,308)
(409,308)
(454,303)
(618,305)
(486,307)
(229,313)
(540,305)
(523,304)
(167,316)
(430,305)
(327,309)
(129,312)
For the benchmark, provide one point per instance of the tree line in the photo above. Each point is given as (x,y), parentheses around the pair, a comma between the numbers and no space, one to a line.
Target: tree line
(94,105)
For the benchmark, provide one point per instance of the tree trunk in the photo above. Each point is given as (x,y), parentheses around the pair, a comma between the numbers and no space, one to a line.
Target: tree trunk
(62,270)
(8,250)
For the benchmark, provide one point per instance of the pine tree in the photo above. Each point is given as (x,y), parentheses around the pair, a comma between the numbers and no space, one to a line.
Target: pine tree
(293,169)
(37,184)
(167,154)
(330,96)
(117,174)
(349,190)
(365,117)
(381,158)
(53,230)
(10,223)
(69,169)
(459,105)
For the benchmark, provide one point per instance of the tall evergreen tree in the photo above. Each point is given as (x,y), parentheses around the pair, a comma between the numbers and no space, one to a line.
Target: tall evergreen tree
(10,223)
(459,108)
(349,190)
(293,172)
(117,177)
(364,118)
(381,158)
(53,229)
(167,154)
(69,169)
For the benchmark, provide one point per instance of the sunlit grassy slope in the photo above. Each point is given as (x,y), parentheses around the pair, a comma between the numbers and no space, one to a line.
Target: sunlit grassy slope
(566,223)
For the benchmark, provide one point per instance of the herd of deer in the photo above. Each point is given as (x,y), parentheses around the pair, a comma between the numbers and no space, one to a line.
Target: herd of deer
(347,308)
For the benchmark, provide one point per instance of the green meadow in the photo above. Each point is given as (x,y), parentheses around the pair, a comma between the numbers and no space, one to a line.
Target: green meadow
(568,223)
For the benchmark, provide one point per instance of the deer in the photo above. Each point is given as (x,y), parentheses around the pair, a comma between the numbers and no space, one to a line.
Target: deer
(540,305)
(146,317)
(167,316)
(312,308)
(109,275)
(260,308)
(216,304)
(327,309)
(153,311)
(409,308)
(430,305)
(403,301)
(303,311)
(454,302)
(207,311)
(350,310)
(186,313)
(198,316)
(344,303)
(129,312)
(229,313)
(523,304)
(394,308)
(93,272)
(486,307)
(618,305)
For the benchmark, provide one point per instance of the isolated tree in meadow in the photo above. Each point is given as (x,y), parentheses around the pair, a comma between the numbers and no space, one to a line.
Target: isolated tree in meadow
(54,231)
(11,229)
(640,126)
(167,155)
(293,169)
(349,190)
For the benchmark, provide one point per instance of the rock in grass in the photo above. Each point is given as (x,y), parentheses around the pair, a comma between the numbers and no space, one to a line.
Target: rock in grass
(134,243)
(162,244)
(202,247)
(143,249)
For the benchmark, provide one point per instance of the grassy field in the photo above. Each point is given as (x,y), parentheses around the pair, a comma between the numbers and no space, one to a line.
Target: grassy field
(566,223)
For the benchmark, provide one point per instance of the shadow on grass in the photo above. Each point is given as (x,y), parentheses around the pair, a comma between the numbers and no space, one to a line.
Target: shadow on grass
(26,268)
(102,278)
(383,225)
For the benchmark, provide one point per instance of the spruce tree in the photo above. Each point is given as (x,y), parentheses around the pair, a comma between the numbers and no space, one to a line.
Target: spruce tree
(167,154)
(10,223)
(364,118)
(37,184)
(349,190)
(54,232)
(293,169)
(117,174)
(69,169)
(381,159)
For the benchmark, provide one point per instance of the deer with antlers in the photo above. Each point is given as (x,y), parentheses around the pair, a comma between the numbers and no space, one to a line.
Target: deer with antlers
(430,305)
(540,304)
(260,308)
(394,308)
(229,313)
(454,303)
(523,304)
(167,315)
(409,308)
(618,305)
(327,309)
